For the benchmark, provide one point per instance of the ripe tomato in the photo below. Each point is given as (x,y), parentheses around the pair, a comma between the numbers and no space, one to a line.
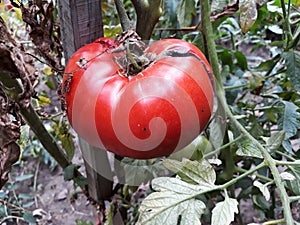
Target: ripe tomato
(158,111)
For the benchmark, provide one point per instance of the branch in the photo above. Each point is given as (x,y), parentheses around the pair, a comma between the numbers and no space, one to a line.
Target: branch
(148,13)
(13,88)
(213,58)
(124,20)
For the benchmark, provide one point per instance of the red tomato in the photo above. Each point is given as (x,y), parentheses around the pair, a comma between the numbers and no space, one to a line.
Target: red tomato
(154,113)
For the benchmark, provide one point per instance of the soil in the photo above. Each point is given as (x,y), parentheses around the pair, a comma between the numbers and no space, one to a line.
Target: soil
(56,202)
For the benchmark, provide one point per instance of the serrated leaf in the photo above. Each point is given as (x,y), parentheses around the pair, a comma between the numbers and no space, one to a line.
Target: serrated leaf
(247,148)
(140,171)
(223,213)
(275,141)
(292,59)
(289,122)
(173,201)
(201,173)
(263,189)
(185,10)
(248,14)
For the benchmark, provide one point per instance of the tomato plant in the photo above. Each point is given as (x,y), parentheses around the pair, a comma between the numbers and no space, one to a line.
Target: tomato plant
(149,113)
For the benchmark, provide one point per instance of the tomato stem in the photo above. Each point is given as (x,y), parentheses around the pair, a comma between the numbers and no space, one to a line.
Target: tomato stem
(268,160)
(132,59)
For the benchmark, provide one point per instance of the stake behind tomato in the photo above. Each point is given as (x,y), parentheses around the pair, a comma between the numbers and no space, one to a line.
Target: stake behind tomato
(152,113)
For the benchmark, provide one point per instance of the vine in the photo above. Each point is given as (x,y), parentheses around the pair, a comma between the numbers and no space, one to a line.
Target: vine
(269,161)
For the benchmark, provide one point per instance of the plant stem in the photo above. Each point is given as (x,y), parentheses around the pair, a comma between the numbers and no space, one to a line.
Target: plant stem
(124,20)
(13,88)
(216,151)
(213,58)
(274,222)
(286,26)
(238,169)
(294,198)
(287,163)
(247,173)
(148,13)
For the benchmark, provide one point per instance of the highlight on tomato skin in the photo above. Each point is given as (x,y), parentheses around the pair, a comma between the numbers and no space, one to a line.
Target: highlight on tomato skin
(153,113)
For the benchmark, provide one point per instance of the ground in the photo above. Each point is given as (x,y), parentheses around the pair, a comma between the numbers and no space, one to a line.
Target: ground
(55,200)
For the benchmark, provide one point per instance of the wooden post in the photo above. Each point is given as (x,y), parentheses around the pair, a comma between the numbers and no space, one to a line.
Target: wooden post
(81,23)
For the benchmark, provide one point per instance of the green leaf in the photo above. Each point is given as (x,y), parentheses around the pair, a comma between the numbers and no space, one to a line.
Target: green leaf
(289,122)
(112,31)
(268,65)
(275,141)
(217,127)
(82,222)
(80,181)
(68,144)
(201,173)
(223,213)
(185,10)
(173,201)
(261,202)
(69,172)
(140,171)
(44,100)
(24,177)
(193,151)
(263,189)
(241,60)
(294,185)
(247,148)
(28,217)
(292,59)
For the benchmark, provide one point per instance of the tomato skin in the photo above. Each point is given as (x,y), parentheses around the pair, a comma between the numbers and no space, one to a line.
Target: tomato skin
(154,113)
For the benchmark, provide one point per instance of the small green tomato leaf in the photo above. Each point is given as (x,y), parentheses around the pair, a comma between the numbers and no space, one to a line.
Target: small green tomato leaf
(248,14)
(263,189)
(247,148)
(223,213)
(201,173)
(172,202)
